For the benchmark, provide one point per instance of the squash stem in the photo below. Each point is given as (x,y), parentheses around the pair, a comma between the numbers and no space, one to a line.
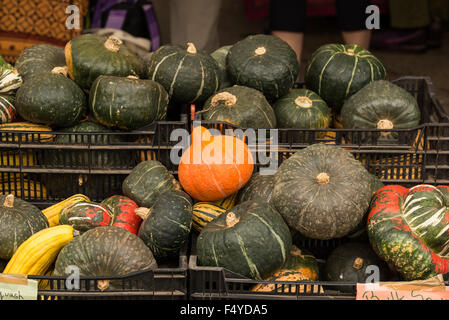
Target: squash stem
(191,48)
(358,263)
(323,178)
(113,44)
(231,219)
(142,212)
(9,201)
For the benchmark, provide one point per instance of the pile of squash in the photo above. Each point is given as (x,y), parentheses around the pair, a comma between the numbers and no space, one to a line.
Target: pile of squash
(245,221)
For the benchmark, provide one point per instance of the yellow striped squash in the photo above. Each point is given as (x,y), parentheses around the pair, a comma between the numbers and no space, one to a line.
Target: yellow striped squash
(36,254)
(228,202)
(31,189)
(52,212)
(25,126)
(205,212)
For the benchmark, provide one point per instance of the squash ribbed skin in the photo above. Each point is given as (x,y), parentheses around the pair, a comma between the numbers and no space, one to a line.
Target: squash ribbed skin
(39,251)
(348,263)
(237,247)
(105,251)
(302,108)
(241,106)
(259,187)
(40,58)
(168,225)
(51,99)
(265,63)
(408,229)
(336,71)
(52,212)
(87,58)
(17,223)
(188,75)
(7,110)
(26,126)
(147,181)
(205,212)
(220,57)
(381,101)
(322,191)
(10,80)
(83,216)
(31,189)
(123,212)
(127,104)
(227,203)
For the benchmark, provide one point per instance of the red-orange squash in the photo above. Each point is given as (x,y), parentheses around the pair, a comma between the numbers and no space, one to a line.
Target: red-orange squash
(214,167)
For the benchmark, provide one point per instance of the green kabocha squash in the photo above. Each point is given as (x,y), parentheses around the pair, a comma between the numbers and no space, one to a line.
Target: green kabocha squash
(251,239)
(189,75)
(265,63)
(241,106)
(10,80)
(220,56)
(7,110)
(105,251)
(408,228)
(336,71)
(348,263)
(51,99)
(322,191)
(381,105)
(302,108)
(166,225)
(127,103)
(90,55)
(147,181)
(83,215)
(39,58)
(259,187)
(18,221)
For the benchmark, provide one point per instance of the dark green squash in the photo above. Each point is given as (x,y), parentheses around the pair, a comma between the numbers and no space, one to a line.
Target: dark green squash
(83,216)
(18,221)
(220,56)
(189,75)
(3,264)
(51,99)
(303,109)
(105,251)
(166,225)
(348,263)
(39,58)
(147,181)
(251,239)
(322,191)
(127,103)
(381,105)
(241,106)
(336,71)
(90,55)
(265,63)
(259,187)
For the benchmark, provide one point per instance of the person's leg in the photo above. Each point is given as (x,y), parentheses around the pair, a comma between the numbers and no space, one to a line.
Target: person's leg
(288,21)
(351,19)
(195,21)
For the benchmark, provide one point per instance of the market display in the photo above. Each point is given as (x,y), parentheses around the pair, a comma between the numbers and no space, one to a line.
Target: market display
(216,201)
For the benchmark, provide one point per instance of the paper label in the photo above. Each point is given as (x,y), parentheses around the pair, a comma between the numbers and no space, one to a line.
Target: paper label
(14,287)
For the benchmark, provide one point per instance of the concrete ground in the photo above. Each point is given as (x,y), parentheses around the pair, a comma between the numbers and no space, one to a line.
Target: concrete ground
(234,26)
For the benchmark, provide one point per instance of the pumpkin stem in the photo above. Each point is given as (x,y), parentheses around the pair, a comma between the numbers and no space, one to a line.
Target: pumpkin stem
(102,284)
(303,102)
(358,263)
(295,251)
(142,212)
(384,124)
(231,219)
(9,201)
(133,77)
(323,178)
(113,44)
(191,48)
(60,70)
(260,51)
(228,98)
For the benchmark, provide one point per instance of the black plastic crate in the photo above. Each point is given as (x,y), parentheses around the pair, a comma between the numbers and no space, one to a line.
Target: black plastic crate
(167,282)
(37,169)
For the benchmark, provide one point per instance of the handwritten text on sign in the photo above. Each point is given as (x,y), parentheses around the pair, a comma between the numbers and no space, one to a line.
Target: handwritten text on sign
(401,292)
(14,288)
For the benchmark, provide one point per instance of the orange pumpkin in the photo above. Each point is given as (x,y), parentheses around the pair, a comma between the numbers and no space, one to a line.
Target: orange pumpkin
(214,167)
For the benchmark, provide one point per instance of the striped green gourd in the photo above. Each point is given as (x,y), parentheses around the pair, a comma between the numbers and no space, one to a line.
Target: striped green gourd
(409,228)
(7,110)
(10,80)
(337,71)
(205,212)
(127,103)
(251,239)
(189,75)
